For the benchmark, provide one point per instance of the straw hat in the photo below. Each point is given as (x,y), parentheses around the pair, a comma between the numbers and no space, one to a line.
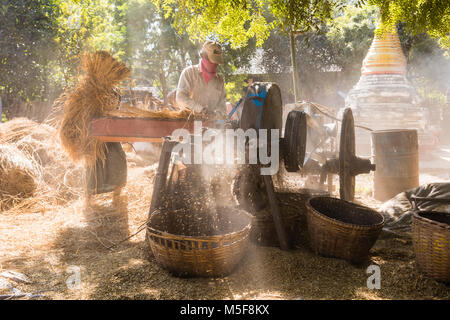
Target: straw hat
(213,51)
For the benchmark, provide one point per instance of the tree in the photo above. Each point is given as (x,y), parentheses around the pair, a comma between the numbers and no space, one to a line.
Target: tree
(88,25)
(418,16)
(234,21)
(239,20)
(350,35)
(337,50)
(41,42)
(27,45)
(296,17)
(428,63)
(159,52)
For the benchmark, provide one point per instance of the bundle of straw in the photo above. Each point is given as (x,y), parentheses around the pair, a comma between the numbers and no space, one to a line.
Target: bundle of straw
(18,175)
(166,113)
(93,96)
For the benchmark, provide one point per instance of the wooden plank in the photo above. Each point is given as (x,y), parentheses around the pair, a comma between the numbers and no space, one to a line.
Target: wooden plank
(128,139)
(117,129)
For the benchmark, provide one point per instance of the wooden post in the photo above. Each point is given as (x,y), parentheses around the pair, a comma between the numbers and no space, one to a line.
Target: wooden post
(281,232)
(159,184)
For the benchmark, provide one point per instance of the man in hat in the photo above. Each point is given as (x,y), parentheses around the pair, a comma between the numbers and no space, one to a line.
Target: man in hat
(200,88)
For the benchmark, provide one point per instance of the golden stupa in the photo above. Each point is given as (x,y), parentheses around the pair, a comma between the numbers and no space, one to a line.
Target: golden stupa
(385,56)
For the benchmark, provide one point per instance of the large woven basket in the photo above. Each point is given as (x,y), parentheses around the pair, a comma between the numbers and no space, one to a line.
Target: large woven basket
(431,241)
(203,256)
(342,229)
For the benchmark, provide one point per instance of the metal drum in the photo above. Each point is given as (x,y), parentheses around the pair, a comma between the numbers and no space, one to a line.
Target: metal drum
(396,156)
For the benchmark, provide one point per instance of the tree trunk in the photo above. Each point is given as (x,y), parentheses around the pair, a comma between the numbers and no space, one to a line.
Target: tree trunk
(294,67)
(162,74)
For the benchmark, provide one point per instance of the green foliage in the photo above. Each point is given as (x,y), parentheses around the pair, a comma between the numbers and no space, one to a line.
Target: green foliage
(88,25)
(304,15)
(428,63)
(42,40)
(238,21)
(432,16)
(234,87)
(350,36)
(226,21)
(344,45)
(157,52)
(28,29)
(341,46)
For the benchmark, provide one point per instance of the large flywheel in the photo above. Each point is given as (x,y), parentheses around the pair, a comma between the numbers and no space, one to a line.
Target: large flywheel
(347,149)
(348,165)
(294,141)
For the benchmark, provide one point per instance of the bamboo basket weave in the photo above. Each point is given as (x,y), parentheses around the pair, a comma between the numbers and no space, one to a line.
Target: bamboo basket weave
(202,256)
(431,241)
(263,230)
(342,229)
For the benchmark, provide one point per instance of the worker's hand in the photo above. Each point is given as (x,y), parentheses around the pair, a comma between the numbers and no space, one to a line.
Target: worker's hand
(199,108)
(215,114)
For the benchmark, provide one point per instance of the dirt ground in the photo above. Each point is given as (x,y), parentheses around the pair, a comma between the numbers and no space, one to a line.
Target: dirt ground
(48,246)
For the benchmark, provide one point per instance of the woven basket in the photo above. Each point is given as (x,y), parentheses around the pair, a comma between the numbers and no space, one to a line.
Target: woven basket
(203,256)
(293,216)
(431,240)
(263,230)
(342,229)
(300,199)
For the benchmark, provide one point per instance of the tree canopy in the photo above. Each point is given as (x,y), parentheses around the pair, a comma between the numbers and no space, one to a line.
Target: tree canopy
(41,40)
(27,46)
(418,16)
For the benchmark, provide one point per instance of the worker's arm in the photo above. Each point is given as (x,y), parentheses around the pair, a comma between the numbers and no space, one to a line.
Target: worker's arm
(184,90)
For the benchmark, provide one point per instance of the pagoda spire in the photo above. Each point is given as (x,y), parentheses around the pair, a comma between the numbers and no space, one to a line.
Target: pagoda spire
(385,55)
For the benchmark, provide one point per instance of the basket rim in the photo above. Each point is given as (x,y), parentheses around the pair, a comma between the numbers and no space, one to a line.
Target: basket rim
(430,221)
(194,238)
(310,209)
(269,217)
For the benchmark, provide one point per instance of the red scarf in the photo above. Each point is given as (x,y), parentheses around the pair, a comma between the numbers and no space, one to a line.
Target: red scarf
(209,69)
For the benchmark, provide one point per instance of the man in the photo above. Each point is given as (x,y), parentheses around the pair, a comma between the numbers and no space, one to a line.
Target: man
(200,88)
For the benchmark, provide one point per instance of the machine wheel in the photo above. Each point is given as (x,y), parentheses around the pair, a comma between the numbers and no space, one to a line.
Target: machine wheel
(249,190)
(295,140)
(346,157)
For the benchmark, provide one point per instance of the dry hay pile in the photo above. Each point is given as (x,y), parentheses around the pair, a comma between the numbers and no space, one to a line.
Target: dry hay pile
(35,170)
(152,107)
(93,96)
(17,128)
(18,175)
(164,113)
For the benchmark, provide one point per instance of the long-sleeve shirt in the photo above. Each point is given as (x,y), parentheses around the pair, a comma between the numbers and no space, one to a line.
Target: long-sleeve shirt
(194,93)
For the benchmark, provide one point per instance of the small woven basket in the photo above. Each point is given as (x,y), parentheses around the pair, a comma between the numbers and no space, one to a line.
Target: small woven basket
(293,216)
(202,256)
(431,241)
(263,230)
(342,229)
